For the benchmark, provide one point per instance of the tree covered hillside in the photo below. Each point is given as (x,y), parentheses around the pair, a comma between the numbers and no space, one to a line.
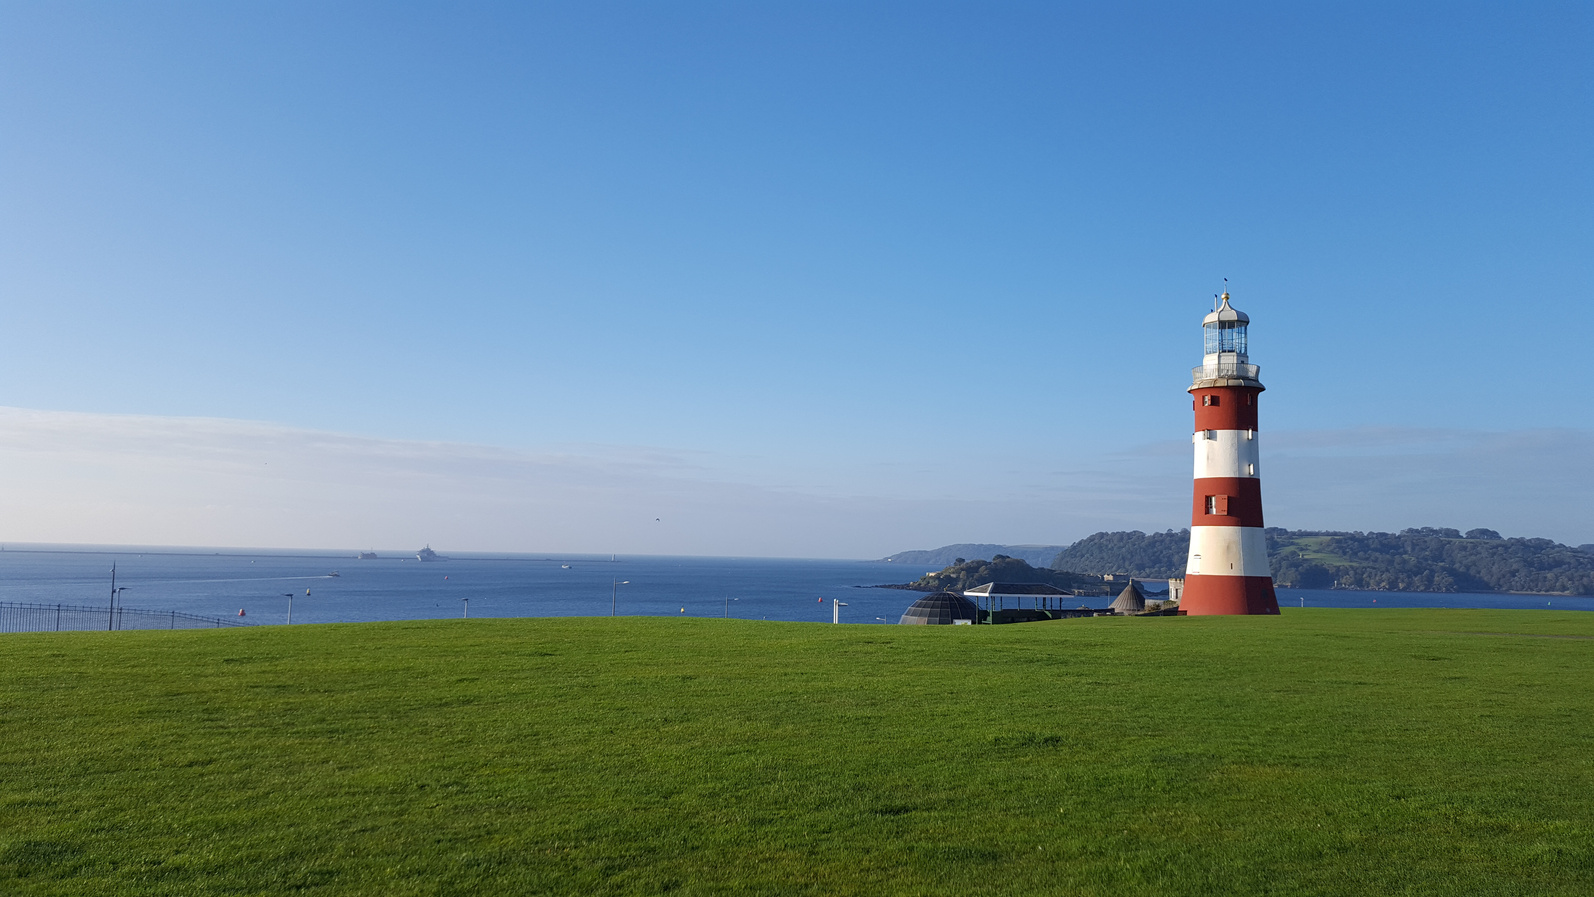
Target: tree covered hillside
(1153,556)
(1428,559)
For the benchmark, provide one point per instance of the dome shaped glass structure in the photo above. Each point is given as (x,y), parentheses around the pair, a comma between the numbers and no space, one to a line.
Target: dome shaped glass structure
(940,609)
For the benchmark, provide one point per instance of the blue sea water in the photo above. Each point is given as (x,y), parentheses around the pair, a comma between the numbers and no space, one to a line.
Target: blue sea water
(398,587)
(1289,598)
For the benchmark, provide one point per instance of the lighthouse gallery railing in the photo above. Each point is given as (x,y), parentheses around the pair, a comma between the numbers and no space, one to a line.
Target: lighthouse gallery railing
(1226,371)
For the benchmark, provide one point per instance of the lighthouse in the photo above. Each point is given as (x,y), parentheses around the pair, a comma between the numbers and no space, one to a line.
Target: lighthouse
(1227,570)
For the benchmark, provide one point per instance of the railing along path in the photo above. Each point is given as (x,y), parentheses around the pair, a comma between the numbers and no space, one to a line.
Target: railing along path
(16,616)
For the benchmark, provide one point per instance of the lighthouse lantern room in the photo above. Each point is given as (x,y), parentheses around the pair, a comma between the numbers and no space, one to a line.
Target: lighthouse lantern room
(1227,570)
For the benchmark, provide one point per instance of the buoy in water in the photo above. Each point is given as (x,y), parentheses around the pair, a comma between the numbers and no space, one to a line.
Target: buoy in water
(240,611)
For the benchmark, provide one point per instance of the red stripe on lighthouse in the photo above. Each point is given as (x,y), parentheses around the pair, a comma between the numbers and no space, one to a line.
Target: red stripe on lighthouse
(1206,595)
(1227,501)
(1225,407)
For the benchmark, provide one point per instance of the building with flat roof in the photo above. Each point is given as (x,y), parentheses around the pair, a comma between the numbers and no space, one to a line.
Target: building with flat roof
(996,597)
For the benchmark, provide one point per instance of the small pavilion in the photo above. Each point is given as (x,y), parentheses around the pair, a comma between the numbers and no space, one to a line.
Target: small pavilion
(996,596)
(1130,601)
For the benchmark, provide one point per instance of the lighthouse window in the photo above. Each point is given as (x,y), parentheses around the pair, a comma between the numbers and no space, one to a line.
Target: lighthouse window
(1250,470)
(1210,434)
(1224,336)
(1210,400)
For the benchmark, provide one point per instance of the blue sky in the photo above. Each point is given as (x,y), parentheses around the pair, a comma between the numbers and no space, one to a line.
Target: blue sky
(783,279)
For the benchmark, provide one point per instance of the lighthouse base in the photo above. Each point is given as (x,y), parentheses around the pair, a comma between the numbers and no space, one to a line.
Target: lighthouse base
(1209,595)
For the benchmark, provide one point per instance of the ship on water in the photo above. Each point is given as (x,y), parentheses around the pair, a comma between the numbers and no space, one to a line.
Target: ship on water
(427,554)
(367,556)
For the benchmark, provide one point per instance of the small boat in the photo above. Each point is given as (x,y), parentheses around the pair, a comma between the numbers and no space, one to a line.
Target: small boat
(334,573)
(564,566)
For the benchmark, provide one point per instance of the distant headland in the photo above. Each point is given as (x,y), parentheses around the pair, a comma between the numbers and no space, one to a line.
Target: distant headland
(1038,555)
(1425,559)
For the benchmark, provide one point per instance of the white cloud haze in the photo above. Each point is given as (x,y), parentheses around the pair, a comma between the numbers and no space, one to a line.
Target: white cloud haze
(127,479)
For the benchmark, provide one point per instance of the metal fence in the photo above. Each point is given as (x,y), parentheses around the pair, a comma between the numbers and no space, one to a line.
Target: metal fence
(20,617)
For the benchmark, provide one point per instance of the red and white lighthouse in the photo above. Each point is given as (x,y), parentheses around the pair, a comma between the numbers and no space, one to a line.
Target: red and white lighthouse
(1227,571)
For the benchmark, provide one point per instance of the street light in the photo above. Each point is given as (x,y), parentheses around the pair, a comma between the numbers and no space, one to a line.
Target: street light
(835,610)
(117,595)
(110,617)
(614,594)
(467,607)
(289,596)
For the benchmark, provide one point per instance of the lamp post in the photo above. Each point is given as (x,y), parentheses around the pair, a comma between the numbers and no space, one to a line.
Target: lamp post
(110,617)
(835,610)
(117,595)
(289,596)
(614,594)
(467,607)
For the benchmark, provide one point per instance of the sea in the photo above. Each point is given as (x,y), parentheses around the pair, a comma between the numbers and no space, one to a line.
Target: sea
(250,586)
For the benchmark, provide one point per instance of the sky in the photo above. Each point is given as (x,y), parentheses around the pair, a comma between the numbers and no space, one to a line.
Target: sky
(806,279)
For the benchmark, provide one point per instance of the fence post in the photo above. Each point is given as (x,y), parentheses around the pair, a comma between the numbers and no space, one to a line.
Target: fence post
(58,618)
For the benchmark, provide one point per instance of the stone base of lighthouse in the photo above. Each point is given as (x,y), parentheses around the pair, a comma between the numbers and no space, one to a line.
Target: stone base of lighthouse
(1209,594)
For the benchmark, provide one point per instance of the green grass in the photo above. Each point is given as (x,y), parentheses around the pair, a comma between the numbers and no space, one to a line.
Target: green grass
(1315,548)
(1321,752)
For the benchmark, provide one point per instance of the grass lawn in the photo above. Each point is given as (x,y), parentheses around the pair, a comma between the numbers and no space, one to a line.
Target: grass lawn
(1320,752)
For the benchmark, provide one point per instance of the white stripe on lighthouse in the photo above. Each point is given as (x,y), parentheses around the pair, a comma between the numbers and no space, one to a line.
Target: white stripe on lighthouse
(1227,551)
(1226,453)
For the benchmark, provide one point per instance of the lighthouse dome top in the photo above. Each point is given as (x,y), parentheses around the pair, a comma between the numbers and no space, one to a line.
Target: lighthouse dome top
(1225,357)
(1227,312)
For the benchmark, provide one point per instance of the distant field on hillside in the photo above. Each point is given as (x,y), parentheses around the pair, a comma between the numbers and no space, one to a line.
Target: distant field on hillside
(1320,752)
